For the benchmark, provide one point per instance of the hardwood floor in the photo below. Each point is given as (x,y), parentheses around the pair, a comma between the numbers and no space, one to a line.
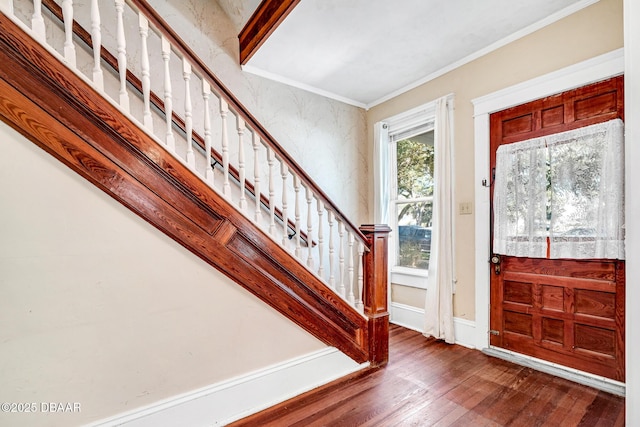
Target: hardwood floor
(428,382)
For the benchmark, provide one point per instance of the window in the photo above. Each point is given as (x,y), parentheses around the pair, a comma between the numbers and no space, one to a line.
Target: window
(563,190)
(412,200)
(405,187)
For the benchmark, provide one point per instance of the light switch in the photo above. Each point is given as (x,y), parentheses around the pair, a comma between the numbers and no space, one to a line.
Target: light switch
(465,208)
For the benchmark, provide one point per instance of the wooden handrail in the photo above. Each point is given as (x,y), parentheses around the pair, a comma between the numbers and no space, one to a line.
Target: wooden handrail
(60,112)
(239,108)
(266,18)
(157,102)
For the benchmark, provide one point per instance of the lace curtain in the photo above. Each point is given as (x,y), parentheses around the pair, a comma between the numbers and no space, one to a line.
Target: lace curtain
(567,187)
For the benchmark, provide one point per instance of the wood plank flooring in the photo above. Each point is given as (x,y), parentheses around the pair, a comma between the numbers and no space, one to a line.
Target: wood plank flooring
(430,383)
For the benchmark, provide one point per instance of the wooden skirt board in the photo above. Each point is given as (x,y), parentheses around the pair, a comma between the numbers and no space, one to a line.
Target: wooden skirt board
(569,312)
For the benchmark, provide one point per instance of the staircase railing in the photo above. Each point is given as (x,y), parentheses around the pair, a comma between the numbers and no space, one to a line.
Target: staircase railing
(199,121)
(193,162)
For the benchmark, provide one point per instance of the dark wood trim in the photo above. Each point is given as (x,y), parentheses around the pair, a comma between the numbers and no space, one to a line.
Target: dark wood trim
(264,21)
(235,104)
(62,114)
(376,278)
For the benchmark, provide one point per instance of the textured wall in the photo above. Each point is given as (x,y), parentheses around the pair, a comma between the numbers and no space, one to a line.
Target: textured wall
(239,11)
(100,308)
(326,137)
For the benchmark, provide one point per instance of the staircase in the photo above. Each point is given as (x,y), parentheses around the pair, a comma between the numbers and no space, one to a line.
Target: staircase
(164,137)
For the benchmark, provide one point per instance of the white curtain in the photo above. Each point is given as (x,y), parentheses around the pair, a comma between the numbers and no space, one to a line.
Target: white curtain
(587,192)
(440,283)
(520,199)
(567,187)
(381,173)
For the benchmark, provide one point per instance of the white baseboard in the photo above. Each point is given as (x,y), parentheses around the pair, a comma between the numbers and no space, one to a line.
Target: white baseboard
(406,316)
(413,318)
(230,400)
(465,332)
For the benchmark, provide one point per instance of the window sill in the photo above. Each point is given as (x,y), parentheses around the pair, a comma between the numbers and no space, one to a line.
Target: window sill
(409,277)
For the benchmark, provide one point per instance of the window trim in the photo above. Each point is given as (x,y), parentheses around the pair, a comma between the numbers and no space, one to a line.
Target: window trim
(422,119)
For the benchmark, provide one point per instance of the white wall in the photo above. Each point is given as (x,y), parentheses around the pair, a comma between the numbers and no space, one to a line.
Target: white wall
(100,308)
(632,153)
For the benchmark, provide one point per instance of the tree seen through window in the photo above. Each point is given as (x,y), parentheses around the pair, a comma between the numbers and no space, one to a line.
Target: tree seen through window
(414,199)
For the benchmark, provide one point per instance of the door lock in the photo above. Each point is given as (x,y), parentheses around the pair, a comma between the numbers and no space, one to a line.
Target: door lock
(495,260)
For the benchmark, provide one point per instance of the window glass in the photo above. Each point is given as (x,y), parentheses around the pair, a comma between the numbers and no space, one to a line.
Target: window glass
(415,166)
(574,182)
(414,200)
(561,195)
(414,234)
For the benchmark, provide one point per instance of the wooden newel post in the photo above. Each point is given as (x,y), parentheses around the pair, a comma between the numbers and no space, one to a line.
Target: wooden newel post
(375,292)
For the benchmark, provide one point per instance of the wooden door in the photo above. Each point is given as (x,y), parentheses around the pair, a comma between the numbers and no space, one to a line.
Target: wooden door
(569,312)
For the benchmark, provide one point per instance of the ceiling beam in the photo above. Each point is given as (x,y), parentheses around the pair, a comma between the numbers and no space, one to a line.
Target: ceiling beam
(263,22)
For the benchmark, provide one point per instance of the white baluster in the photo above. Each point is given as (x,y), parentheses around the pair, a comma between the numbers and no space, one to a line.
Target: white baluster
(341,288)
(296,187)
(96,42)
(143,25)
(69,48)
(320,240)
(188,119)
(241,166)
(37,21)
(206,93)
(350,297)
(224,109)
(272,192)
(332,279)
(122,56)
(256,176)
(309,197)
(360,289)
(168,96)
(284,171)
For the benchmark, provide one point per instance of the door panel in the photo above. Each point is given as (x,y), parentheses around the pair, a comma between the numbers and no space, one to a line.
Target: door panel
(565,311)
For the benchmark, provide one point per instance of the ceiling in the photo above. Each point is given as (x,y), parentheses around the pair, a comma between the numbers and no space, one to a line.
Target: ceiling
(364,52)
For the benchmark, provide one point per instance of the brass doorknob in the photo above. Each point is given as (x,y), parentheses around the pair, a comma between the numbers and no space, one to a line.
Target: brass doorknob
(495,260)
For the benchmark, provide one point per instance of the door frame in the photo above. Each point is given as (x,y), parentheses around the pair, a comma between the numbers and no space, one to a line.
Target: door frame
(590,71)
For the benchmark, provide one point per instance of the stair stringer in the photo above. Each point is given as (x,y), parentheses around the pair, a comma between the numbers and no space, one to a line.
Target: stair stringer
(62,114)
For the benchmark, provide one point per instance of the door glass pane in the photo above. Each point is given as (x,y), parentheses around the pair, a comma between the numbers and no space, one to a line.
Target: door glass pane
(414,234)
(575,180)
(415,166)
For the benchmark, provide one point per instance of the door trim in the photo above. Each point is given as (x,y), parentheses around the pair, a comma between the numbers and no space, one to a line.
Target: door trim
(632,245)
(592,70)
